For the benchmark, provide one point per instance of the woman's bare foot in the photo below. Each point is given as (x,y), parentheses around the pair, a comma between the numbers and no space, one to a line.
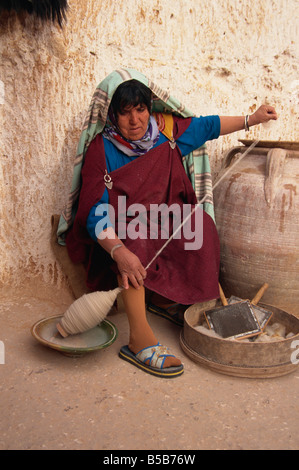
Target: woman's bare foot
(146,340)
(141,334)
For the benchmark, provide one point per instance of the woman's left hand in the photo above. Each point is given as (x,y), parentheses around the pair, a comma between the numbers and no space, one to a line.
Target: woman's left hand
(264,113)
(130,268)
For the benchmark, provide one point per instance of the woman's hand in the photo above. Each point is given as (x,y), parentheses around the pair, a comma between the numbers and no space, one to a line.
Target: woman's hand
(229,124)
(264,113)
(130,267)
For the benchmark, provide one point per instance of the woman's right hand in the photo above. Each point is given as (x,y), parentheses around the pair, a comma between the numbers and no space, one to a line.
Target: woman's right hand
(264,113)
(130,267)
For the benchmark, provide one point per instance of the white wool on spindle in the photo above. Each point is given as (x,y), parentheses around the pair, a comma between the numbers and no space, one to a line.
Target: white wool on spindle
(88,311)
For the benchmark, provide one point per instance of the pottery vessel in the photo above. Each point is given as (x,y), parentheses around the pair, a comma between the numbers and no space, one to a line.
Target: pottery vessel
(257,216)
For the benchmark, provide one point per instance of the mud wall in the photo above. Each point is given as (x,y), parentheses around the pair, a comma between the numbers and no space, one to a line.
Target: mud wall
(223,57)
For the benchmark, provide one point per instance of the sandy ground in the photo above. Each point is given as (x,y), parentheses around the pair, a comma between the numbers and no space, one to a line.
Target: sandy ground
(99,402)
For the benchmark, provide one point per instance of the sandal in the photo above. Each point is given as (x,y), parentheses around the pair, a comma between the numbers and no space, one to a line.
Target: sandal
(176,317)
(156,356)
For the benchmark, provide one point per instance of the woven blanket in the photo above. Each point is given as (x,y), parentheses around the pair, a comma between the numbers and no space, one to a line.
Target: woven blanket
(196,163)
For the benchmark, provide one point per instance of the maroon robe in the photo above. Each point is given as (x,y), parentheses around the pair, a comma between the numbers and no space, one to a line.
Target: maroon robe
(183,276)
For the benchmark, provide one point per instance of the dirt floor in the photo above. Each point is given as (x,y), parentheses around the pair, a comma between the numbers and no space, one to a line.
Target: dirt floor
(100,402)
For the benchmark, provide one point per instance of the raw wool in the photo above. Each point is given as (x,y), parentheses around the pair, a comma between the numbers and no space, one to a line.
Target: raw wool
(88,311)
(215,57)
(206,331)
(273,332)
(276,329)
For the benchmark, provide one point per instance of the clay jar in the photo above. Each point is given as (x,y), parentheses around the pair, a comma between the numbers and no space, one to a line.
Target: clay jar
(257,216)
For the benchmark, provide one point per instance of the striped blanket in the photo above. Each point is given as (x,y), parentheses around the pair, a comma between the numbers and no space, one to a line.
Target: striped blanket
(196,164)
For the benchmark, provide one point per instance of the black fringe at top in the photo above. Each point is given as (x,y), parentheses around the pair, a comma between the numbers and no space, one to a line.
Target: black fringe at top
(54,10)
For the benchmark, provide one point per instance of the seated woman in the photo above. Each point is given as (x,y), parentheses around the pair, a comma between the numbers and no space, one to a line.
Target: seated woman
(132,164)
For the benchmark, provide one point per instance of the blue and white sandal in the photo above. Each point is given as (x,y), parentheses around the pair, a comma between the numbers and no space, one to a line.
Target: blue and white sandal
(156,356)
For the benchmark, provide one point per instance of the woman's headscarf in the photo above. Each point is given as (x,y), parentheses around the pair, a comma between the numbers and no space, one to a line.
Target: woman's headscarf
(95,122)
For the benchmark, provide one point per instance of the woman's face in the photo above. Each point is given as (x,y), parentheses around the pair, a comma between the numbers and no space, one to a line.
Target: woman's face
(133,121)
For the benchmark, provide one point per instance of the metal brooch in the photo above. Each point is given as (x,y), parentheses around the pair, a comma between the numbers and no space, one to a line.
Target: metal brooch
(172,143)
(107,180)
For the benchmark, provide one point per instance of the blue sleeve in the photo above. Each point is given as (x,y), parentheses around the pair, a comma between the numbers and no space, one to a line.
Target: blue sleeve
(98,218)
(200,130)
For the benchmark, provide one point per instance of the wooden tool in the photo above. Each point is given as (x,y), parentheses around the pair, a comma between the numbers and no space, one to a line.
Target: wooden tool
(255,299)
(259,294)
(236,320)
(222,296)
(263,315)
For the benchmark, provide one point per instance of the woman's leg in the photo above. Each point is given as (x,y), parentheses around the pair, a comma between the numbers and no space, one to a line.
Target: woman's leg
(141,334)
